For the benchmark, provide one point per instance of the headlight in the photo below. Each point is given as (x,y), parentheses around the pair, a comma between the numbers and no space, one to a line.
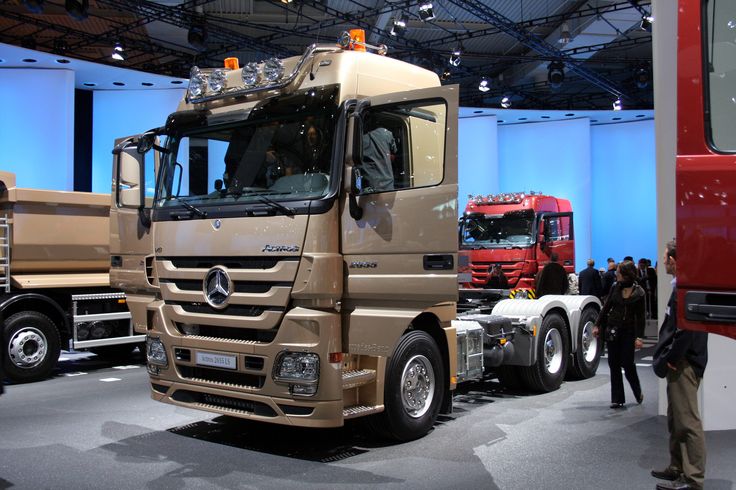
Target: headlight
(251,75)
(197,83)
(297,366)
(217,80)
(156,352)
(273,69)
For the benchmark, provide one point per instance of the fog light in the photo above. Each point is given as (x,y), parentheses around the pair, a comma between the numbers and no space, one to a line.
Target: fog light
(197,83)
(217,80)
(273,69)
(251,74)
(296,366)
(303,390)
(156,352)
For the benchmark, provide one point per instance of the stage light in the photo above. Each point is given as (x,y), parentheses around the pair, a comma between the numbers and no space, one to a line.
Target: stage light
(642,76)
(446,74)
(118,52)
(484,85)
(564,34)
(617,106)
(646,23)
(77,9)
(455,56)
(399,26)
(556,74)
(197,35)
(505,101)
(426,11)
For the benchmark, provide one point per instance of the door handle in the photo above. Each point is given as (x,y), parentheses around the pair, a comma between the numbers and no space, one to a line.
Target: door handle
(436,262)
(706,306)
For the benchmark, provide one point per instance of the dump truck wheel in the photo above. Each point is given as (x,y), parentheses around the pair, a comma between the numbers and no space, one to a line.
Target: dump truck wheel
(414,388)
(588,354)
(32,346)
(552,354)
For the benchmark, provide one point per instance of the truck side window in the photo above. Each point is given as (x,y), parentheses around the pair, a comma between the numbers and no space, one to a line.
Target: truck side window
(558,228)
(403,147)
(720,76)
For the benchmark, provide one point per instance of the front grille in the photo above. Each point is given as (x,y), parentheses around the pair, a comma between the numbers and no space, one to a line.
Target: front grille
(234,310)
(239,286)
(229,333)
(229,262)
(218,376)
(207,400)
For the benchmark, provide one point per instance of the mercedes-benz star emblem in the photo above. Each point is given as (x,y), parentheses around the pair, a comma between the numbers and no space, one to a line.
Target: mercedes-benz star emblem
(217,287)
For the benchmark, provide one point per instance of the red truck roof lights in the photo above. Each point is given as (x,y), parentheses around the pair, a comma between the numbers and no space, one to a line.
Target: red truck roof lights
(503,198)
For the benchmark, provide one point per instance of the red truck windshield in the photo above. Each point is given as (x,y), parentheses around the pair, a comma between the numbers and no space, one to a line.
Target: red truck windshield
(497,231)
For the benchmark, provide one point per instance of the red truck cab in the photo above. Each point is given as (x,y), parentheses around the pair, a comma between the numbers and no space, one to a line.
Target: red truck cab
(518,230)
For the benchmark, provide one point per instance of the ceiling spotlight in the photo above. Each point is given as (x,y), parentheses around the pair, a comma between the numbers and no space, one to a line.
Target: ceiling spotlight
(197,35)
(646,23)
(617,105)
(564,34)
(34,6)
(77,9)
(445,74)
(426,11)
(399,26)
(505,101)
(455,56)
(484,85)
(118,52)
(556,74)
(60,46)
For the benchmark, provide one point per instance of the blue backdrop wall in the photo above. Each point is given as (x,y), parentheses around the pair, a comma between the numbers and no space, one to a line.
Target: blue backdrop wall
(37,127)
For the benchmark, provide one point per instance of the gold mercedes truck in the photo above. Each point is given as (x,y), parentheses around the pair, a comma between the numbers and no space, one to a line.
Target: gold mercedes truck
(304,247)
(54,280)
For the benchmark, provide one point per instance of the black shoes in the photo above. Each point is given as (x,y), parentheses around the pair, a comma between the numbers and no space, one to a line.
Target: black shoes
(676,485)
(617,406)
(640,399)
(666,474)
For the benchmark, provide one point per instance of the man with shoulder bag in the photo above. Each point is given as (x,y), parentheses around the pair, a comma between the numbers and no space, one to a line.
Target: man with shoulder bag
(681,357)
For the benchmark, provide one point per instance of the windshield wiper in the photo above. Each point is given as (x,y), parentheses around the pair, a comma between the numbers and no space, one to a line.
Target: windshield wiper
(275,205)
(193,209)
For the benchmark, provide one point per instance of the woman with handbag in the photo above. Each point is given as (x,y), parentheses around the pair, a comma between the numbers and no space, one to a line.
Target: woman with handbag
(622,323)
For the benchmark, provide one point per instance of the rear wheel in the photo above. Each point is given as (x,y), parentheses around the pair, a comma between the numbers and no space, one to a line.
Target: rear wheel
(588,353)
(414,388)
(32,346)
(552,353)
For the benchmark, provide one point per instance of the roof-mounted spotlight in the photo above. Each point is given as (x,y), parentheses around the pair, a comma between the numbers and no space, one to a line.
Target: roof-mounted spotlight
(426,11)
(399,26)
(77,9)
(484,85)
(455,56)
(556,74)
(646,23)
(617,106)
(564,34)
(505,102)
(34,6)
(118,52)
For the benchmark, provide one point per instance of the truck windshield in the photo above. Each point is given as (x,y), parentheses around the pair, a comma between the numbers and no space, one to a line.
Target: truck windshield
(281,148)
(501,231)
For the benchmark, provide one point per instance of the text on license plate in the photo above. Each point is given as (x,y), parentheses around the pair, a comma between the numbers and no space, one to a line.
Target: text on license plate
(216,360)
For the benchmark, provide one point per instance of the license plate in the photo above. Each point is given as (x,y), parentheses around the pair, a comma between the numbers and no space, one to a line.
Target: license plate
(216,360)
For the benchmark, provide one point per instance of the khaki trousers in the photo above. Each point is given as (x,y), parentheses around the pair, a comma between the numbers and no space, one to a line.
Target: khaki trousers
(687,440)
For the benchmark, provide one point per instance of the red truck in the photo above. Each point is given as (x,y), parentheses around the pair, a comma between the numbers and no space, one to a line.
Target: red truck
(518,230)
(706,168)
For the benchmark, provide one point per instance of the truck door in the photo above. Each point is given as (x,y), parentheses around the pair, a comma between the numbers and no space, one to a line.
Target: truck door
(556,235)
(402,250)
(131,252)
(706,168)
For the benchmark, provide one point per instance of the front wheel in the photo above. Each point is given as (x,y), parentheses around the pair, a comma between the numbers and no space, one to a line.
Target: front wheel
(552,353)
(588,354)
(414,388)
(32,346)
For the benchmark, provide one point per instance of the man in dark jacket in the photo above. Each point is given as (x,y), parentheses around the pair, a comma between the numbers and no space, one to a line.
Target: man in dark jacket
(590,280)
(609,277)
(681,356)
(553,278)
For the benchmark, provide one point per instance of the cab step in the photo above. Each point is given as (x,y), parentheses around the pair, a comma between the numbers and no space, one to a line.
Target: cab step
(357,377)
(360,410)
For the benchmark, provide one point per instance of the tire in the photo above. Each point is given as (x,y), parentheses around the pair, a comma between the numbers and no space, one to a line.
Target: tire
(115,352)
(588,354)
(32,346)
(414,389)
(552,355)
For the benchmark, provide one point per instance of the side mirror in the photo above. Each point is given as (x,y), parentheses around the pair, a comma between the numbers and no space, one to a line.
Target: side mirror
(356,187)
(145,143)
(353,161)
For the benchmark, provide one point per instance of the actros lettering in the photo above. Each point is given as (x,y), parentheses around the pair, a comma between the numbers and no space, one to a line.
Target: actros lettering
(280,248)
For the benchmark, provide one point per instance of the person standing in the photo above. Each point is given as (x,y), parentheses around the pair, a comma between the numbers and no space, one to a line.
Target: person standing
(609,277)
(552,279)
(590,280)
(622,322)
(681,356)
(496,278)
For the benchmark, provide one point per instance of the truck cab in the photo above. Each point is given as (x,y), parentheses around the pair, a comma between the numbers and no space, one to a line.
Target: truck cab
(519,231)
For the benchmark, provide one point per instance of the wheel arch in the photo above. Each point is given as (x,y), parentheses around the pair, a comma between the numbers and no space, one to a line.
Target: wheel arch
(36,302)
